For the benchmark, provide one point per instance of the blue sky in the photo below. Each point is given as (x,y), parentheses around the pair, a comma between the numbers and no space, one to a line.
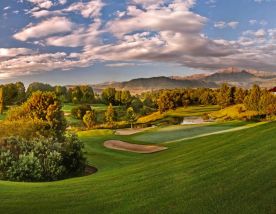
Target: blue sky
(92,41)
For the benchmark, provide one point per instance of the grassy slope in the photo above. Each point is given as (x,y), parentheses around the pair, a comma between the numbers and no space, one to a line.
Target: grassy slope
(227,173)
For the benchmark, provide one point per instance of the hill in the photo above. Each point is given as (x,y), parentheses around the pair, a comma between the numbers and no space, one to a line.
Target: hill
(156,83)
(224,173)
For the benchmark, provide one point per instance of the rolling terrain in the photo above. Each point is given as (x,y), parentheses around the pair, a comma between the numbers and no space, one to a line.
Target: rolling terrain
(221,173)
(232,76)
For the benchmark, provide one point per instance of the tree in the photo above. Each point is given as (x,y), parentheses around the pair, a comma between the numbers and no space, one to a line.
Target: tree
(267,102)
(38,86)
(239,96)
(165,102)
(44,106)
(131,116)
(110,114)
(79,111)
(224,96)
(87,94)
(252,100)
(136,104)
(89,119)
(1,100)
(108,95)
(126,97)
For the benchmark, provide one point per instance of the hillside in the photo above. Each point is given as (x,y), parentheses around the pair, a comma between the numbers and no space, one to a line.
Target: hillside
(232,76)
(223,173)
(156,83)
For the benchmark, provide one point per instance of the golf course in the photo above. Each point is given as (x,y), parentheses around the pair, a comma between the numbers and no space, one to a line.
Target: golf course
(227,167)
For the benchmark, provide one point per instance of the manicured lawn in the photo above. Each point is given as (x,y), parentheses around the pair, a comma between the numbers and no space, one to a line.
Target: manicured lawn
(175,116)
(225,173)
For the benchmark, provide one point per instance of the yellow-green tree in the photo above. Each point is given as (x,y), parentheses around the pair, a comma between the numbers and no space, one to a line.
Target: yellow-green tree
(131,116)
(89,119)
(1,100)
(110,114)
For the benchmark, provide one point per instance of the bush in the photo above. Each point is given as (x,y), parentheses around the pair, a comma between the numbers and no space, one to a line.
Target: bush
(79,111)
(89,119)
(40,159)
(43,106)
(26,129)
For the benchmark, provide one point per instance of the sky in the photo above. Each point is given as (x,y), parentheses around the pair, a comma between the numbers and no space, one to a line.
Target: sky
(94,41)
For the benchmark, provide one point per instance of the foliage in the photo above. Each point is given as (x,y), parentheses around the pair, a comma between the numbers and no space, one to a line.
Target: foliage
(43,106)
(89,119)
(110,114)
(236,112)
(1,100)
(79,111)
(25,128)
(252,100)
(40,159)
(38,86)
(131,116)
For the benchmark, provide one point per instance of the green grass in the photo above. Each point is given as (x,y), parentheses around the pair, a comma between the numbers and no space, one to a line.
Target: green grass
(226,173)
(175,116)
(2,116)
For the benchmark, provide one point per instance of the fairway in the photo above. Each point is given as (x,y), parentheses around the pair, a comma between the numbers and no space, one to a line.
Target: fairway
(224,173)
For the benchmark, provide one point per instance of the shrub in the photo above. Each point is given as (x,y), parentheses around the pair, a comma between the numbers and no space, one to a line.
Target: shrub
(43,106)
(89,119)
(28,129)
(40,159)
(79,111)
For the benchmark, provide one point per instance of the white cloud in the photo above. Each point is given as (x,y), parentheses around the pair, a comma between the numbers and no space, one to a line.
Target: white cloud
(222,24)
(86,9)
(62,1)
(12,52)
(48,27)
(42,3)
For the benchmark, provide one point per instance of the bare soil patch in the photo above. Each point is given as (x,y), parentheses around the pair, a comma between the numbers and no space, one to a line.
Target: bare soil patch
(124,146)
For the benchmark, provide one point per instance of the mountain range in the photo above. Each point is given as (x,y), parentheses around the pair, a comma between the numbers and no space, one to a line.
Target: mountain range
(232,76)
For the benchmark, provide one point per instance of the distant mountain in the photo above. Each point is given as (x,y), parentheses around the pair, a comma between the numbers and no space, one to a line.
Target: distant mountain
(156,83)
(232,76)
(242,78)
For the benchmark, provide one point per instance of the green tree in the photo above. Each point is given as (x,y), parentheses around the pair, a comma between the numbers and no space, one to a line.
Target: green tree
(87,94)
(38,86)
(108,95)
(110,114)
(89,119)
(136,104)
(126,98)
(131,116)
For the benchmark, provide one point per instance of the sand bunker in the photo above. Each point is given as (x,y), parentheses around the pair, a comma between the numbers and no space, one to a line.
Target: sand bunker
(126,132)
(124,146)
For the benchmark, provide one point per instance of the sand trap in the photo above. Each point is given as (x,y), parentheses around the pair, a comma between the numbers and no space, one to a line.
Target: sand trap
(126,132)
(124,146)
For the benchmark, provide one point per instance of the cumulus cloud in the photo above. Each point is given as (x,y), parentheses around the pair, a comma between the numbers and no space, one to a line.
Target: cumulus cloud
(86,9)
(146,31)
(42,3)
(47,27)
(12,52)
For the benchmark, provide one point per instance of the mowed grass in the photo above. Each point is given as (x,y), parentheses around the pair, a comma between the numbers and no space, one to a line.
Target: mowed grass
(163,134)
(226,173)
(170,116)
